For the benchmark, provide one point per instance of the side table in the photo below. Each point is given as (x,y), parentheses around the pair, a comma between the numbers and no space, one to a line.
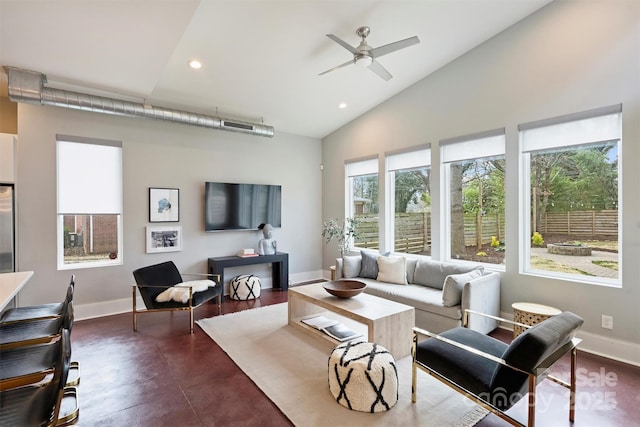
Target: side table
(530,314)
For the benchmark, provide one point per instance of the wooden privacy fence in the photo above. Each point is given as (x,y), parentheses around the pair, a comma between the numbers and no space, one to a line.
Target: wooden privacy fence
(413,230)
(581,223)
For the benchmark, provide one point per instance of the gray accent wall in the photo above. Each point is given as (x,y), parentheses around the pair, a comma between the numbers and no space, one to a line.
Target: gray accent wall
(568,57)
(160,154)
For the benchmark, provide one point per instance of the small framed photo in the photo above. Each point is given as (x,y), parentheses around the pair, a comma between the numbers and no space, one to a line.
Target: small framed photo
(164,205)
(164,239)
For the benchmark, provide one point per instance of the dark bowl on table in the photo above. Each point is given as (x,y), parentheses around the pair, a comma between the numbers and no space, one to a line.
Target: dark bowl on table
(344,288)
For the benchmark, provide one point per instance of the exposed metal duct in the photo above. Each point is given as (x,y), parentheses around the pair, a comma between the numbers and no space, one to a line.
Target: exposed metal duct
(28,86)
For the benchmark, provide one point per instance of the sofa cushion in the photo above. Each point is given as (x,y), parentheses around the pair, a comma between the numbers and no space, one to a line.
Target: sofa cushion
(453,284)
(392,270)
(433,273)
(369,267)
(420,297)
(351,266)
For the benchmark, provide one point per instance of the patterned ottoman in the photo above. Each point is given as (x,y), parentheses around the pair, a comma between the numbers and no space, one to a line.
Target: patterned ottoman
(363,377)
(244,287)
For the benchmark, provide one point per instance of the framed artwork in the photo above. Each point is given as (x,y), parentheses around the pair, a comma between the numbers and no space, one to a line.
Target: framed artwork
(164,205)
(164,239)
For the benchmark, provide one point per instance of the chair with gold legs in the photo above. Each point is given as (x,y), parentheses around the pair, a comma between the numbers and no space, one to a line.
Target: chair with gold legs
(493,374)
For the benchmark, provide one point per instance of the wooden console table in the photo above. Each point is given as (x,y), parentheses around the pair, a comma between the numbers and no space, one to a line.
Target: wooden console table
(279,266)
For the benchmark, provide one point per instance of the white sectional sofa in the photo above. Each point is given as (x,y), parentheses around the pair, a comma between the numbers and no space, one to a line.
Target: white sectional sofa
(439,291)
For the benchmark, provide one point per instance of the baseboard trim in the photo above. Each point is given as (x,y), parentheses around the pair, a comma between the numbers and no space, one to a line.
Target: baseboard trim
(119,306)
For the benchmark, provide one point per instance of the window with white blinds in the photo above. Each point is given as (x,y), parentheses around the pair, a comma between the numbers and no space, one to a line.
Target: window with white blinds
(89,202)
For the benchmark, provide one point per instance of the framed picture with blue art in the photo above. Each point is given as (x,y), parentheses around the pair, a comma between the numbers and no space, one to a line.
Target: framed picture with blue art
(164,205)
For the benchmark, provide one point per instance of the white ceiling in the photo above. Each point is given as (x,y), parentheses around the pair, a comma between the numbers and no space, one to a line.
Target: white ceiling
(261,57)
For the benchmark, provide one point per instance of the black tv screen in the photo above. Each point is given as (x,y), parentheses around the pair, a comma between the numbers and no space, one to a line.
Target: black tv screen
(231,206)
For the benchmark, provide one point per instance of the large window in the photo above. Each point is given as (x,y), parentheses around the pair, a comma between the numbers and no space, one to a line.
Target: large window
(89,202)
(362,200)
(474,197)
(571,195)
(409,200)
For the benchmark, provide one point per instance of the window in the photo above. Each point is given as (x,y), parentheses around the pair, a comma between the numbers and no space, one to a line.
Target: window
(571,195)
(89,202)
(474,197)
(362,200)
(409,200)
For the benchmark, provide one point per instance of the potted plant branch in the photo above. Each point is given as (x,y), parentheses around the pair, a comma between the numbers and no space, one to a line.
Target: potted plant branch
(344,233)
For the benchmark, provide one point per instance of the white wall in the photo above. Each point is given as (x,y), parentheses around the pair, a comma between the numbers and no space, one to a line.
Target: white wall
(161,154)
(568,57)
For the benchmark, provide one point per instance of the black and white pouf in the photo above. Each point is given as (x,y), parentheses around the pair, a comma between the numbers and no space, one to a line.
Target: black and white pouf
(363,377)
(244,287)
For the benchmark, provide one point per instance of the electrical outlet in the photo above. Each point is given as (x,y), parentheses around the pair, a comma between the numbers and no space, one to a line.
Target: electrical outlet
(607,321)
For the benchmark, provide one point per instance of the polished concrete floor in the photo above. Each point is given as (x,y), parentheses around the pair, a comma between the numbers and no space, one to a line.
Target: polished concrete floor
(164,376)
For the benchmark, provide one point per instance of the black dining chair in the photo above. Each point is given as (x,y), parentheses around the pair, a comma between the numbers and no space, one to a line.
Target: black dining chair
(39,405)
(35,331)
(42,310)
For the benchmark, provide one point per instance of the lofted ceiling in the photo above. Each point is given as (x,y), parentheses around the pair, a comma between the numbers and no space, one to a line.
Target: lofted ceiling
(261,58)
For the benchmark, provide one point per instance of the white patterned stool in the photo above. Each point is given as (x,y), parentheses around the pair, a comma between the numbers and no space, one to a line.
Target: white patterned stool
(244,287)
(363,377)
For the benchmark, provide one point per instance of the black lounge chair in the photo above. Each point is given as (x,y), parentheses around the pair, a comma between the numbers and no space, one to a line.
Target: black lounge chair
(496,375)
(151,281)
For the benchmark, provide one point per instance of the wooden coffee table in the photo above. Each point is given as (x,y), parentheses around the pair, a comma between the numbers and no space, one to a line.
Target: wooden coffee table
(388,323)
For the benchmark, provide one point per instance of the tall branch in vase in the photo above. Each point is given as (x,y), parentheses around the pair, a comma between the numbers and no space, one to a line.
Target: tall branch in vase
(344,233)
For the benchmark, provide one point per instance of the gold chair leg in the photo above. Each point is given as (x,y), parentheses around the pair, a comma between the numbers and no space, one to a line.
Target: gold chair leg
(572,385)
(133,313)
(191,319)
(532,401)
(413,368)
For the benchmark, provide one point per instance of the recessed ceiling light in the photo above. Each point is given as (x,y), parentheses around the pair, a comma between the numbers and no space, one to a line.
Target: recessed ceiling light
(342,105)
(195,64)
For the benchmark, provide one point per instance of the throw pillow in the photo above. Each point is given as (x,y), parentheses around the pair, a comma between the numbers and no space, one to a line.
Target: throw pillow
(453,285)
(351,266)
(392,270)
(369,267)
(180,292)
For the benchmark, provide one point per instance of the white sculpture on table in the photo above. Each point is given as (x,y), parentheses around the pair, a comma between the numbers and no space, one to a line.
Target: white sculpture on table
(267,245)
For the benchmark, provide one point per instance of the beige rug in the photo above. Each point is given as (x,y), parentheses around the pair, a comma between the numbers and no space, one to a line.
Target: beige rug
(291,369)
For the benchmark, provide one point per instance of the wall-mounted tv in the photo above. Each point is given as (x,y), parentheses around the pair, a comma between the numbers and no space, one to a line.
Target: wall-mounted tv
(231,206)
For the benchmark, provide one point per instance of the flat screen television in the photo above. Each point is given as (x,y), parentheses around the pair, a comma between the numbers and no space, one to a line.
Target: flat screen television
(230,206)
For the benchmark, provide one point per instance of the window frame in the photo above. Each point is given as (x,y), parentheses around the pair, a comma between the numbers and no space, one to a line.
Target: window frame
(353,168)
(473,144)
(525,190)
(405,159)
(115,207)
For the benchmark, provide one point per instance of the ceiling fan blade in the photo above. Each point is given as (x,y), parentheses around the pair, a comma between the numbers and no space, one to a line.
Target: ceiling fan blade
(336,67)
(343,43)
(380,70)
(392,47)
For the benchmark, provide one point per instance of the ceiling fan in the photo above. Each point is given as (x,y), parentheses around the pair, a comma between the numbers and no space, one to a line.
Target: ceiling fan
(365,56)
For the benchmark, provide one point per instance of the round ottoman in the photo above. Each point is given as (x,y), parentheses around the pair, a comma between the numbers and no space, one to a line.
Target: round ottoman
(244,287)
(363,377)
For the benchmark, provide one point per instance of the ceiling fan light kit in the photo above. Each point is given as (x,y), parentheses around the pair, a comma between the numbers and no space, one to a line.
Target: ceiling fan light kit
(365,56)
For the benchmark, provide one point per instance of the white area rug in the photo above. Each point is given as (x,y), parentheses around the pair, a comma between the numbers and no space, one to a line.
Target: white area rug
(291,369)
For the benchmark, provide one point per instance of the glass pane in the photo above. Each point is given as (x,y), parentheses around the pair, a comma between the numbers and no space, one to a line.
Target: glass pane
(412,217)
(574,210)
(477,210)
(90,239)
(365,209)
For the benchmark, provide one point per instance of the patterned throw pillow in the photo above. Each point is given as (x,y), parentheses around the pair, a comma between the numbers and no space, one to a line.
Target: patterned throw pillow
(369,267)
